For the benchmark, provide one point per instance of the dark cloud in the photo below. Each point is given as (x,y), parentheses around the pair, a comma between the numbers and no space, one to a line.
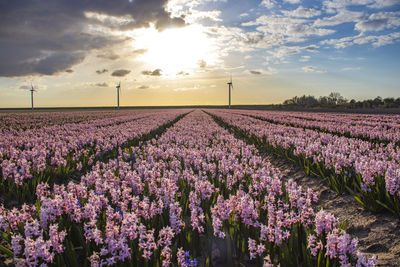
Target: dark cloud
(120,73)
(69,70)
(312,48)
(108,55)
(143,87)
(156,72)
(182,73)
(139,51)
(101,71)
(372,25)
(24,87)
(101,84)
(202,64)
(46,37)
(255,72)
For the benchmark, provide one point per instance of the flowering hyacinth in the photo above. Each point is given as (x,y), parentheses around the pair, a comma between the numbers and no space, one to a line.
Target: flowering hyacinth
(324,222)
(194,181)
(254,249)
(336,153)
(184,259)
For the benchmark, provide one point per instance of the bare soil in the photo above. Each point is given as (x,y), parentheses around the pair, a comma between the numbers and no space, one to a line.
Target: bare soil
(378,234)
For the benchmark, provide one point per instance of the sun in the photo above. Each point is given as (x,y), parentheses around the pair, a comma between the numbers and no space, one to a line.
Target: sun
(176,50)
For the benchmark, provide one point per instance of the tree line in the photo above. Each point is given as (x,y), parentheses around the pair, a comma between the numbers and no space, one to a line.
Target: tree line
(335,99)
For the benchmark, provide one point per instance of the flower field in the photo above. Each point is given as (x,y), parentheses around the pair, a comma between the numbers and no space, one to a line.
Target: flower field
(368,170)
(187,187)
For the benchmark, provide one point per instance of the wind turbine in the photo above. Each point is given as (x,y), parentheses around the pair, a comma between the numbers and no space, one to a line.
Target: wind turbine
(118,90)
(230,85)
(32,90)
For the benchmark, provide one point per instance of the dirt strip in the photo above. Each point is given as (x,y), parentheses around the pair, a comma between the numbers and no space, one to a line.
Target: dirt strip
(378,234)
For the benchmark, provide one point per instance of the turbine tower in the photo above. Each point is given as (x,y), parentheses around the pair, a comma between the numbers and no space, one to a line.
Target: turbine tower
(230,85)
(118,90)
(32,90)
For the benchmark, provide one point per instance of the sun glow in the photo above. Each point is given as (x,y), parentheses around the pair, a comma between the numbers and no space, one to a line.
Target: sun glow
(177,50)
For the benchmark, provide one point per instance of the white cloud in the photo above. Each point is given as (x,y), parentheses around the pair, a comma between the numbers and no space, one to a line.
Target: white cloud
(341,4)
(183,89)
(302,12)
(278,29)
(305,58)
(292,1)
(382,3)
(285,51)
(351,68)
(342,17)
(379,21)
(375,40)
(380,40)
(194,17)
(312,69)
(268,3)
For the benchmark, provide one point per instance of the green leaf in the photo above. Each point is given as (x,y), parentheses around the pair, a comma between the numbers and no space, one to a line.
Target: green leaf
(6,251)
(359,200)
(343,225)
(385,206)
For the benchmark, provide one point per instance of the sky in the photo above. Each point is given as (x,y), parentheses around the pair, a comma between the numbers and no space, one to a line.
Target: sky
(183,52)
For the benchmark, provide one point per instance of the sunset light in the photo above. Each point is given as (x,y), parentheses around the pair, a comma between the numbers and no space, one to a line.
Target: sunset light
(177,50)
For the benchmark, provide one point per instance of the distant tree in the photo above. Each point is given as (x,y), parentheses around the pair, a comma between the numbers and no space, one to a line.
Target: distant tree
(377,102)
(389,102)
(336,98)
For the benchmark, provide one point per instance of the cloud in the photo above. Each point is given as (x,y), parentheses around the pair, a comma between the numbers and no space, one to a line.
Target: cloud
(371,25)
(202,64)
(351,68)
(101,71)
(156,72)
(311,48)
(292,1)
(268,3)
(182,73)
(139,51)
(312,69)
(302,12)
(108,55)
(195,87)
(379,21)
(332,6)
(255,72)
(278,29)
(45,38)
(24,87)
(69,71)
(143,87)
(304,58)
(203,16)
(342,16)
(101,84)
(120,73)
(361,39)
